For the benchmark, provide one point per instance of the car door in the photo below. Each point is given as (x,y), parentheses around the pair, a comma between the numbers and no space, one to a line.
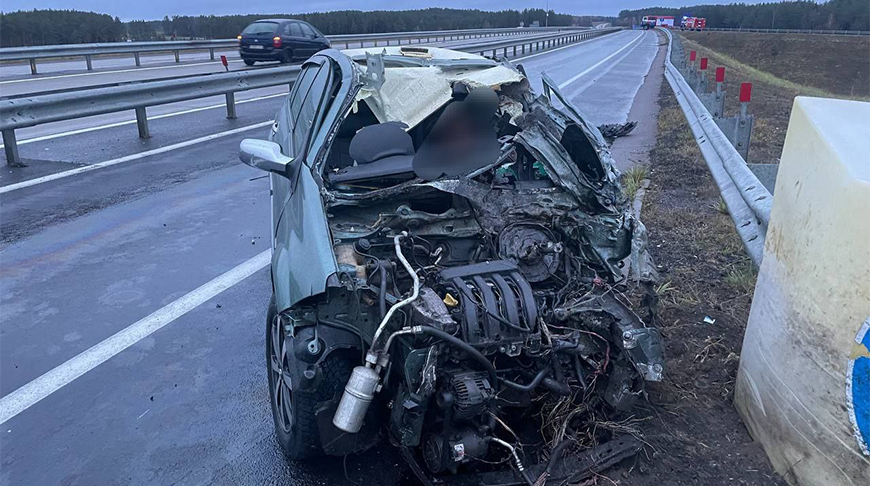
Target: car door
(297,41)
(312,43)
(302,256)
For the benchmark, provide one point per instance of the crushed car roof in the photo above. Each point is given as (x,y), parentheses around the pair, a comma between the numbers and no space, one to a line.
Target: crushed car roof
(411,84)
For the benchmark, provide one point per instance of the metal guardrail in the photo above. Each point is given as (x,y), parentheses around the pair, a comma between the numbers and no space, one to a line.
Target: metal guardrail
(746,198)
(489,46)
(791,31)
(87,51)
(30,111)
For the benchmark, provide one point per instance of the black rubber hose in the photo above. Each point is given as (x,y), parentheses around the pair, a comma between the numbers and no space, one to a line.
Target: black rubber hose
(525,475)
(531,386)
(477,355)
(382,291)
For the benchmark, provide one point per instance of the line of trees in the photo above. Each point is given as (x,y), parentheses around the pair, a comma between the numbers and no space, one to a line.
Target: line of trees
(45,27)
(358,22)
(800,14)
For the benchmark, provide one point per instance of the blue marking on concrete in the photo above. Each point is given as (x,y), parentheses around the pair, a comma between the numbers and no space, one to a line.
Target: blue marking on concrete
(858,394)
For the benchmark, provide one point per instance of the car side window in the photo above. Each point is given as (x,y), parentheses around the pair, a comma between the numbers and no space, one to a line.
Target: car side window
(305,103)
(307,30)
(295,29)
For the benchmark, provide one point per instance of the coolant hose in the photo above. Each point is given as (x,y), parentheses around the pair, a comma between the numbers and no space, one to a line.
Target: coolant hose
(477,355)
(531,386)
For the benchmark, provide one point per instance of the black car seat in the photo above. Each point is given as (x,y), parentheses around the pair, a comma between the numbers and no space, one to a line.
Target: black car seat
(381,150)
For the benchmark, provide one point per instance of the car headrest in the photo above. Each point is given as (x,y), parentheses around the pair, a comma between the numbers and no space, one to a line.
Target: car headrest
(377,142)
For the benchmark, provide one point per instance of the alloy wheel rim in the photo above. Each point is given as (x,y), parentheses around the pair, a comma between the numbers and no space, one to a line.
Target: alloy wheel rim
(282,386)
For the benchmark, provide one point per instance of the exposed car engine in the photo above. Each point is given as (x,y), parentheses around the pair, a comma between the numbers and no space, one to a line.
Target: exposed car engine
(480,294)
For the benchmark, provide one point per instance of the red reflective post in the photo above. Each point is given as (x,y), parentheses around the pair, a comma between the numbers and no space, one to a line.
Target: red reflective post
(225,63)
(692,55)
(745,92)
(720,74)
(745,97)
(703,63)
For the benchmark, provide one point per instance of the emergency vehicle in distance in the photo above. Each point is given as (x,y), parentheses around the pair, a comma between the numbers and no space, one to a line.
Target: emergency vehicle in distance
(652,21)
(693,23)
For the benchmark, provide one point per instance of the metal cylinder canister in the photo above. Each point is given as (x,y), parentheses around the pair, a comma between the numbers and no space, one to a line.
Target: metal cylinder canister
(358,395)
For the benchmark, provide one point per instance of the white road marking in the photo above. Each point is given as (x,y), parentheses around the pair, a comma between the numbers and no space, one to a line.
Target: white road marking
(592,67)
(602,71)
(64,374)
(96,73)
(130,122)
(127,158)
(556,49)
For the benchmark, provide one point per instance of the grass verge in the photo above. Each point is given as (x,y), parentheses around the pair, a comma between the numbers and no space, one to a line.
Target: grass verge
(696,436)
(632,180)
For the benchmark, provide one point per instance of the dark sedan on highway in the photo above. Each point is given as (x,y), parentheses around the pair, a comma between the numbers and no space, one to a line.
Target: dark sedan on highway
(280,40)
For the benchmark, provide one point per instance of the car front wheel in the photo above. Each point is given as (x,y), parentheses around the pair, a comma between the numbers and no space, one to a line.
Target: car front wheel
(294,412)
(249,62)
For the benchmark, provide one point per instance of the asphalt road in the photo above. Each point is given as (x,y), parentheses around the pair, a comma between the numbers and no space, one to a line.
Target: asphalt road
(133,295)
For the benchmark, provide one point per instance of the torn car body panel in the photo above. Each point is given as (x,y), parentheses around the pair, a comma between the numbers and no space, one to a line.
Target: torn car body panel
(473,287)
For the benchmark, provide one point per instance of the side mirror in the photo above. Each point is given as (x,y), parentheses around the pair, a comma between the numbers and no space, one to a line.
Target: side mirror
(264,155)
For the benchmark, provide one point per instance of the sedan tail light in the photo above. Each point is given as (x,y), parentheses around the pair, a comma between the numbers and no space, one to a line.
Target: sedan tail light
(276,41)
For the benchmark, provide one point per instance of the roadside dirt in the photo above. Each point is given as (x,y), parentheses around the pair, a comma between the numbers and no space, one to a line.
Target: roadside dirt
(835,63)
(694,434)
(781,67)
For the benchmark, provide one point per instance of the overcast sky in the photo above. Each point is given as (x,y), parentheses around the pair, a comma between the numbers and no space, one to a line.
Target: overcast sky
(156,9)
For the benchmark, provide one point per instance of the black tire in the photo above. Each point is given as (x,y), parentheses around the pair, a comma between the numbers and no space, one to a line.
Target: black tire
(287,56)
(249,62)
(296,427)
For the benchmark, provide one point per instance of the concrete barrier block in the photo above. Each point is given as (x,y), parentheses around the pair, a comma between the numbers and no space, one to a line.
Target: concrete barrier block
(804,377)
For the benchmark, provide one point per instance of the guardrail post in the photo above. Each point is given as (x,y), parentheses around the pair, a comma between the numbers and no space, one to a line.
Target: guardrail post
(515,50)
(211,53)
(702,78)
(504,52)
(89,63)
(177,57)
(142,122)
(523,48)
(10,146)
(719,106)
(693,55)
(231,106)
(743,130)
(33,66)
(136,57)
(738,129)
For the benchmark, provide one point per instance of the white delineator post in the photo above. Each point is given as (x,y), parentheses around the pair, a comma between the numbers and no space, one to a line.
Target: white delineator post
(803,385)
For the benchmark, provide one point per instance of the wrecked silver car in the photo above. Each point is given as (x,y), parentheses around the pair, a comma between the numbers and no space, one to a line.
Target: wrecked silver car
(447,254)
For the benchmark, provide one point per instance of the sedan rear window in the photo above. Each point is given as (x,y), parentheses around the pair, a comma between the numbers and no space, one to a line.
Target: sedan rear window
(261,28)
